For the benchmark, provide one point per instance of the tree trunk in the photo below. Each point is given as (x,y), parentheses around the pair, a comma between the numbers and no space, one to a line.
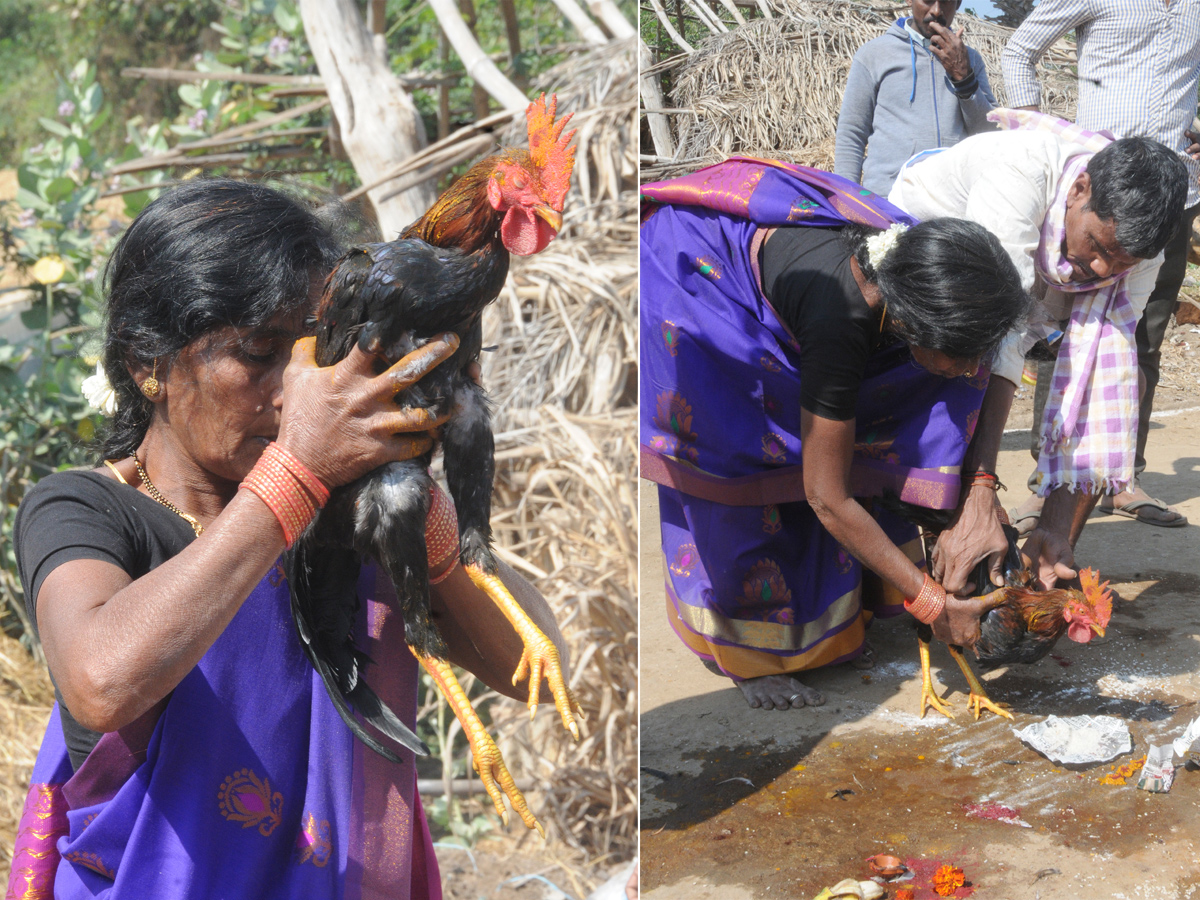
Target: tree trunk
(479,97)
(481,69)
(377,118)
(512,28)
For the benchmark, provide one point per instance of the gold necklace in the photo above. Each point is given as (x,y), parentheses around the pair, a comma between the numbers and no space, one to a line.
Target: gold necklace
(157,495)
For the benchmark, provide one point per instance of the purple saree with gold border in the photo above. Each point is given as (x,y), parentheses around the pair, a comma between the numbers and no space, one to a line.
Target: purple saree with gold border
(245,783)
(753,581)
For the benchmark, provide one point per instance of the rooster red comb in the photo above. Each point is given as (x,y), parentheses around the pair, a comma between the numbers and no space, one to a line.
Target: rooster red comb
(548,148)
(1097,594)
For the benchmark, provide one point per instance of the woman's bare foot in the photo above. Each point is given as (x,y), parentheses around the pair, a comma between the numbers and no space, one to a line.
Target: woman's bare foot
(773,691)
(779,692)
(866,659)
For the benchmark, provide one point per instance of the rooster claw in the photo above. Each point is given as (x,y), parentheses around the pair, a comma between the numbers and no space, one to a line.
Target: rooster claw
(540,656)
(978,702)
(499,784)
(930,700)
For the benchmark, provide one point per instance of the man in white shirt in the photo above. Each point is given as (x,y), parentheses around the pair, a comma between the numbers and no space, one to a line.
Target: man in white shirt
(1012,182)
(1139,63)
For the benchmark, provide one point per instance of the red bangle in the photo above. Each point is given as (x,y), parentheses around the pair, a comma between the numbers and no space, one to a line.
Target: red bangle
(929,603)
(288,489)
(441,533)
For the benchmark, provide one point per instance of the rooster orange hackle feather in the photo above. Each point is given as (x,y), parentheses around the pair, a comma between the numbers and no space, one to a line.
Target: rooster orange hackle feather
(549,147)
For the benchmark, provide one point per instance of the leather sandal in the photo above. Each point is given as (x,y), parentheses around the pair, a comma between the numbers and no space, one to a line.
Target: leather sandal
(1150,511)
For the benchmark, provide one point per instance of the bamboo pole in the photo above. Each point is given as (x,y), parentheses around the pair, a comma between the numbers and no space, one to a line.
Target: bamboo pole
(665,20)
(732,7)
(406,166)
(616,23)
(477,63)
(175,154)
(652,96)
(589,30)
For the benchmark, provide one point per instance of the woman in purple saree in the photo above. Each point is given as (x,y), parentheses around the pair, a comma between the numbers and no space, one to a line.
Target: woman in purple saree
(193,751)
(775,558)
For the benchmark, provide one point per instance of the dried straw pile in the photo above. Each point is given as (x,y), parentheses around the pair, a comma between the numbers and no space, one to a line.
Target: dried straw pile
(25,699)
(565,511)
(773,87)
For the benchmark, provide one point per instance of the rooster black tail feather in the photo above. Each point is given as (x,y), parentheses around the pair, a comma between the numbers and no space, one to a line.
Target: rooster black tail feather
(318,639)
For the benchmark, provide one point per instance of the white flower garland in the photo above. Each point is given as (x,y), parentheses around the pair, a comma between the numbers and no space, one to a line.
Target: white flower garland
(880,245)
(99,392)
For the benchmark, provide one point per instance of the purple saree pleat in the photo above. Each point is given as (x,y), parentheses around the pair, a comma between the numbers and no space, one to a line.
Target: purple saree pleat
(249,785)
(753,579)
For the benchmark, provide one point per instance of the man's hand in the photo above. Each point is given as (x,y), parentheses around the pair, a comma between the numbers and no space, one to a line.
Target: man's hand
(1193,149)
(974,534)
(950,50)
(1050,557)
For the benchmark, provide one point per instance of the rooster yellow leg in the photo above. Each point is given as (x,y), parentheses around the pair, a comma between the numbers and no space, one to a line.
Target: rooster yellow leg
(928,696)
(486,755)
(978,696)
(540,656)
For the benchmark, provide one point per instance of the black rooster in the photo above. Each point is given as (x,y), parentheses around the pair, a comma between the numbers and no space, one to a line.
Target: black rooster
(390,299)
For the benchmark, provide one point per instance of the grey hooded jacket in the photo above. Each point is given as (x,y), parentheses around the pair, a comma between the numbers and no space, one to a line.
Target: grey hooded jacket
(900,101)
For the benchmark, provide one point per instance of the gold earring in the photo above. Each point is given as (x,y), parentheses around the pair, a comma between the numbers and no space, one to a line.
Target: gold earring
(150,387)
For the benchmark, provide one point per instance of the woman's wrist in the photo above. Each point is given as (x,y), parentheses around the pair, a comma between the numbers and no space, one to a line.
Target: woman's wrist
(289,489)
(929,602)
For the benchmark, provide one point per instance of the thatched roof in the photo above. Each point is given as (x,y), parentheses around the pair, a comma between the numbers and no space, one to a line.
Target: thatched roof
(773,87)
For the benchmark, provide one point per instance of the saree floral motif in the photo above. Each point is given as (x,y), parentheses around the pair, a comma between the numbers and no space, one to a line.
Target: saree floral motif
(685,560)
(674,414)
(764,584)
(670,336)
(774,448)
(246,798)
(771,521)
(707,266)
(313,841)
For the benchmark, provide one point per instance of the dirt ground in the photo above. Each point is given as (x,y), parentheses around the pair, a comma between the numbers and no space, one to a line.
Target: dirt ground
(740,803)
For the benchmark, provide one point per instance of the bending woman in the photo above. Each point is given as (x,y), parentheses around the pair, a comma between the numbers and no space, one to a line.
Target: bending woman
(193,751)
(801,352)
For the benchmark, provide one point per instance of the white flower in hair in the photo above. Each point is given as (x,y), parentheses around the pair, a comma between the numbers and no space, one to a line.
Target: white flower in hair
(880,245)
(99,392)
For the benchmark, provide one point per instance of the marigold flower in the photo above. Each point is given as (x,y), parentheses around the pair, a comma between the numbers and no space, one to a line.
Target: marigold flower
(49,270)
(947,880)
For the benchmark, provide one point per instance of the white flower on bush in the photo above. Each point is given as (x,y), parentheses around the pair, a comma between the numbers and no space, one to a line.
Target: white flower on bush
(99,392)
(66,108)
(880,245)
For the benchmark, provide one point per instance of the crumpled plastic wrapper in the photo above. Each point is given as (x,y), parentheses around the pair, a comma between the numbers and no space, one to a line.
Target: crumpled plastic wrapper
(1159,771)
(1078,739)
(1187,745)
